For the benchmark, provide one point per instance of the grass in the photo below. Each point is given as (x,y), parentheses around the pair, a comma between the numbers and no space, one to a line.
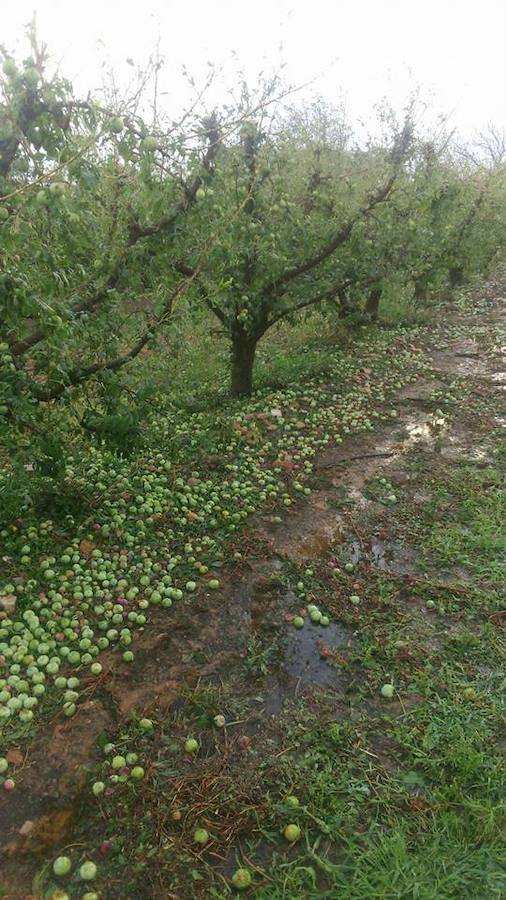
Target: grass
(472,533)
(258,656)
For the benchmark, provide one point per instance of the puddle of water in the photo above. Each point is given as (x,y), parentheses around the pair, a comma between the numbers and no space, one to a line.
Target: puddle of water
(273,698)
(318,526)
(398,560)
(299,659)
(314,530)
(302,664)
(302,652)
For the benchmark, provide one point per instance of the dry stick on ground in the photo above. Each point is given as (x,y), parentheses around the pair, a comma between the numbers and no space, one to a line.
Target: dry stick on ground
(338,462)
(501,614)
(438,585)
(416,579)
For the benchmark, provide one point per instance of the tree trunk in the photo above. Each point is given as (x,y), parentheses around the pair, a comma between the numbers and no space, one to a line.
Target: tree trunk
(243,360)
(456,277)
(372,305)
(345,308)
(420,289)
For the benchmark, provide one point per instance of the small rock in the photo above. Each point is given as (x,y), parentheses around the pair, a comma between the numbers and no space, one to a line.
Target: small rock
(86,548)
(8,602)
(26,827)
(15,757)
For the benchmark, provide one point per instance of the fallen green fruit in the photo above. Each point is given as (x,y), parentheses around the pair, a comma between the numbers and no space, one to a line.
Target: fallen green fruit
(292,833)
(62,865)
(88,871)
(201,836)
(241,879)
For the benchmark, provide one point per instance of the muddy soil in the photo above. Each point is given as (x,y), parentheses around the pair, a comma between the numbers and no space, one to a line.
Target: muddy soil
(211,636)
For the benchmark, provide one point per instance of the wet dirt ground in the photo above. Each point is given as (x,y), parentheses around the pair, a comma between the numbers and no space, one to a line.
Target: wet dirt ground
(211,636)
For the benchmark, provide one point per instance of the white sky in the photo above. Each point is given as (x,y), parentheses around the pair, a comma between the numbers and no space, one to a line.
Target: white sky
(360,49)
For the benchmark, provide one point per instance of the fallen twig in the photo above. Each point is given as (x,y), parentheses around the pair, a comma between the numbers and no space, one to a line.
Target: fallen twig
(438,585)
(369,753)
(338,462)
(501,614)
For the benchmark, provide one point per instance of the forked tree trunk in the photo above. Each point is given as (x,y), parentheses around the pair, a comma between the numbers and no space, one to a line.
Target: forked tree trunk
(372,305)
(243,360)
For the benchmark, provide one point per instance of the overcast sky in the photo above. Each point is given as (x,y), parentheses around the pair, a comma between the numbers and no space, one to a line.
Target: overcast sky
(360,50)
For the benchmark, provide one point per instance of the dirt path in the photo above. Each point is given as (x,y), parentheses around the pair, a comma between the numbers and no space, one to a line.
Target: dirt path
(212,638)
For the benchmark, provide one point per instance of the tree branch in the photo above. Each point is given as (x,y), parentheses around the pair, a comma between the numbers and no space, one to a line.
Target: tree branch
(19,347)
(76,376)
(313,301)
(214,141)
(340,238)
(45,393)
(382,194)
(136,233)
(471,215)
